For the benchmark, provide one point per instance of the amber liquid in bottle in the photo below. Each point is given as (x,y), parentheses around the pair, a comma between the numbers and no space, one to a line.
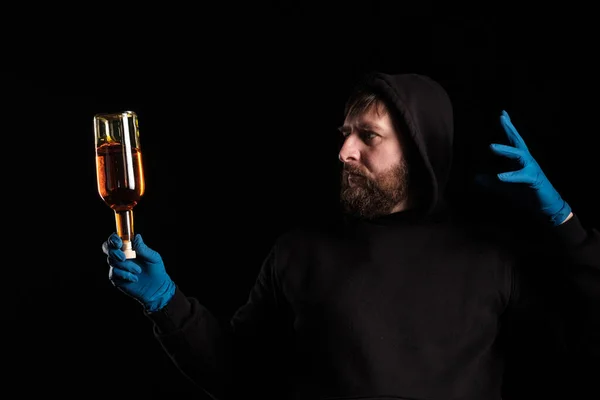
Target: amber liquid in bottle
(121,183)
(120,176)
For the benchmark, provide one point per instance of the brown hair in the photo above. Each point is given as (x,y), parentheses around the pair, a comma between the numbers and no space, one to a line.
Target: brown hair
(361,101)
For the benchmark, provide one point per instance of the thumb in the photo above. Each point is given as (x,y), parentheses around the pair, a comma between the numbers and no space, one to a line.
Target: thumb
(144,252)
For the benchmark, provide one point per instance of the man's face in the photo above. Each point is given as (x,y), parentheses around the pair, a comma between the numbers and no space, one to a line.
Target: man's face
(375,173)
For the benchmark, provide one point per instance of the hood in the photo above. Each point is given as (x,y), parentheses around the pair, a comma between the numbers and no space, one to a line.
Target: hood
(427,112)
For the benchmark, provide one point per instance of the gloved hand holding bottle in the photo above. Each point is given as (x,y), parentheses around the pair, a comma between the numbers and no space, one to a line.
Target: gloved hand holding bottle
(144,278)
(527,186)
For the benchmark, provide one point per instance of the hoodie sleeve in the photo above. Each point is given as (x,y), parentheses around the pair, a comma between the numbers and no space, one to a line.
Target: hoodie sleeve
(224,356)
(552,324)
(579,251)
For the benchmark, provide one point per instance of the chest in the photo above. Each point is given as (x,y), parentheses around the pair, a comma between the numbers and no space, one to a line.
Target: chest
(433,291)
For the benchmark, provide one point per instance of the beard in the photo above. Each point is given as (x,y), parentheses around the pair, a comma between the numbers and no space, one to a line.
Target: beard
(370,198)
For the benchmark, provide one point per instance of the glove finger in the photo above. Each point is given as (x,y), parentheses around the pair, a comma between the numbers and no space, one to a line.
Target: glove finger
(511,132)
(516,177)
(509,152)
(125,265)
(113,254)
(113,242)
(118,275)
(143,252)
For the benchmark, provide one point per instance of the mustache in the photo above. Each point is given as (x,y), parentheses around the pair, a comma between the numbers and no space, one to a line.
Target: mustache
(353,170)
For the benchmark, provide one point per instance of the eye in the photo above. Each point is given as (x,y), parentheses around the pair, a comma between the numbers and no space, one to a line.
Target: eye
(368,136)
(365,135)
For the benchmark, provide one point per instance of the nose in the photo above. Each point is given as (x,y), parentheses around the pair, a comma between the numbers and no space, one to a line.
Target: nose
(349,150)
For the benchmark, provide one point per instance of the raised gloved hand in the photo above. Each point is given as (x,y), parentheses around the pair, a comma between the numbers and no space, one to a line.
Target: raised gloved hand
(527,186)
(144,278)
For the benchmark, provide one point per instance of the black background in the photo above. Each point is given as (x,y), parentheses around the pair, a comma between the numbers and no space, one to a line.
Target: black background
(238,110)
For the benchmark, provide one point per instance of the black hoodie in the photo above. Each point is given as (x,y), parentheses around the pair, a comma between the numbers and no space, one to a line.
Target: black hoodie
(401,307)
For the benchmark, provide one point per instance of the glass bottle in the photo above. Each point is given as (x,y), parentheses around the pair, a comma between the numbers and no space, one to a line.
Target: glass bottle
(119,169)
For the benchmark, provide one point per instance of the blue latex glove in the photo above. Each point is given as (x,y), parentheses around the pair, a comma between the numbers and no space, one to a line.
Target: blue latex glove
(144,278)
(527,186)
